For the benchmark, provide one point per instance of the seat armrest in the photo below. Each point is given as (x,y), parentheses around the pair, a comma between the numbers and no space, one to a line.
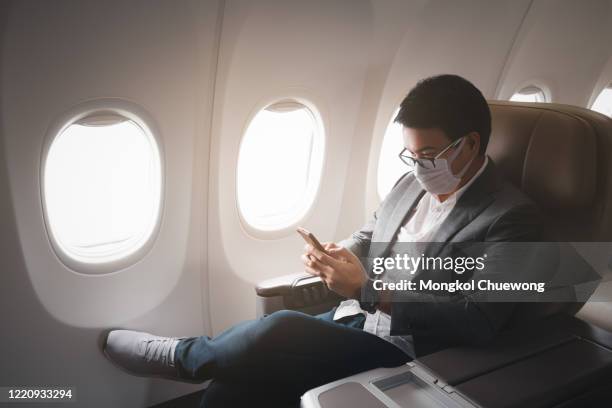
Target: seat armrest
(558,359)
(284,285)
(298,291)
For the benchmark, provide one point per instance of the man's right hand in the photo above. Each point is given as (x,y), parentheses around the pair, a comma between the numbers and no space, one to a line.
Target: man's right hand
(340,269)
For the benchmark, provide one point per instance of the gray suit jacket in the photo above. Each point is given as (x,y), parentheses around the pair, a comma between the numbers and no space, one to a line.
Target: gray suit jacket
(490,210)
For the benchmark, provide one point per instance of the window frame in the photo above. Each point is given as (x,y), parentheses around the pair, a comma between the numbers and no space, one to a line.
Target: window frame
(304,213)
(145,121)
(543,89)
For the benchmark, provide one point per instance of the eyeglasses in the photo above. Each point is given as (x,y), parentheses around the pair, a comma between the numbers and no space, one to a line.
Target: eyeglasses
(426,163)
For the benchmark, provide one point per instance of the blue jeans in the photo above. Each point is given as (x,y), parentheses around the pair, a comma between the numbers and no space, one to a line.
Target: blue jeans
(273,360)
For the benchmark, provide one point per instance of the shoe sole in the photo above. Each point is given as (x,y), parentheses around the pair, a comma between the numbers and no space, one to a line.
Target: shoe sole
(103,337)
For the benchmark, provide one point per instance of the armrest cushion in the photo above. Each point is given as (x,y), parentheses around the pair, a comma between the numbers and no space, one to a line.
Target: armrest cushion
(284,285)
(298,291)
(460,364)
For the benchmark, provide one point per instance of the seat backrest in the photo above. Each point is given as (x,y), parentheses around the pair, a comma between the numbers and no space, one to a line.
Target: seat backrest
(561,157)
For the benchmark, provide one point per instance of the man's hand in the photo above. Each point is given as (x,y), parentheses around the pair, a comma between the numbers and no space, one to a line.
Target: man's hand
(341,270)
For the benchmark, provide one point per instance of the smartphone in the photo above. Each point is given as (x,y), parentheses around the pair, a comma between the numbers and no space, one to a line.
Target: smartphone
(311,239)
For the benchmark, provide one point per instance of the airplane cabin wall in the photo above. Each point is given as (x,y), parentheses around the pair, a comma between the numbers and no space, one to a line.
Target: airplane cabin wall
(318,51)
(490,43)
(161,56)
(202,70)
(563,47)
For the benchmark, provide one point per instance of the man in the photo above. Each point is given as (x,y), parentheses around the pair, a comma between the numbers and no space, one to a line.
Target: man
(451,194)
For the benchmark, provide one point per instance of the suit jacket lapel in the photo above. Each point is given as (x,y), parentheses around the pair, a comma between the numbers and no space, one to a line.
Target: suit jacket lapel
(471,203)
(405,205)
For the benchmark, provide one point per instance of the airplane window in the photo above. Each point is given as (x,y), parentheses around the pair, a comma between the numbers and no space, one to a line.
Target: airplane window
(390,167)
(603,103)
(529,94)
(279,165)
(102,186)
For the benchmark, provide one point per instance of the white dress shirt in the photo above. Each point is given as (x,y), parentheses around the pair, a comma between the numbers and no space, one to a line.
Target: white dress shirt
(420,227)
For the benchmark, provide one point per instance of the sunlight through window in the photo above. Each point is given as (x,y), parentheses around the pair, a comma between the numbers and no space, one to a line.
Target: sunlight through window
(390,167)
(529,94)
(603,103)
(102,188)
(279,165)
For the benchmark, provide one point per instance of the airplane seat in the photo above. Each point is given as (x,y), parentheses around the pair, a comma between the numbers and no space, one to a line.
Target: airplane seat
(558,155)
(561,157)
(550,153)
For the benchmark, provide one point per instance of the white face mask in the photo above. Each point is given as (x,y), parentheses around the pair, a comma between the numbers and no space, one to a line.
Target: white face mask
(440,179)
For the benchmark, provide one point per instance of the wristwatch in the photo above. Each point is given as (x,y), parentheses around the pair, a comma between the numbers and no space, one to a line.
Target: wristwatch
(369,297)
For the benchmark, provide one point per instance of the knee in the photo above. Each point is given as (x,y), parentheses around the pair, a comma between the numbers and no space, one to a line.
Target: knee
(282,318)
(280,322)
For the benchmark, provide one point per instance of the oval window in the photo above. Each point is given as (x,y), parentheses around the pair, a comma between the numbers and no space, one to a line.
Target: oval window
(390,167)
(529,94)
(279,165)
(603,103)
(102,185)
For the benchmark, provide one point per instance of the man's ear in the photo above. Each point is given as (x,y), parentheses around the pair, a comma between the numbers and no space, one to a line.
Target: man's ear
(474,141)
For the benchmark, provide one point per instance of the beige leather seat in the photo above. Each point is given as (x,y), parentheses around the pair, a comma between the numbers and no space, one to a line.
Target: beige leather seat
(561,156)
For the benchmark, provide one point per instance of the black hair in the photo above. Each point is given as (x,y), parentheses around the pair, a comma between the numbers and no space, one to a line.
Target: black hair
(449,103)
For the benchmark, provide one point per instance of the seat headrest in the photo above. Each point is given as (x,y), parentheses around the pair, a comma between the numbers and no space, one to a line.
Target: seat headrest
(547,151)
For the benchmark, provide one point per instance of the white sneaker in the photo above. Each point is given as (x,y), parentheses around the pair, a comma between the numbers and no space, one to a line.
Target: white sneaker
(143,354)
